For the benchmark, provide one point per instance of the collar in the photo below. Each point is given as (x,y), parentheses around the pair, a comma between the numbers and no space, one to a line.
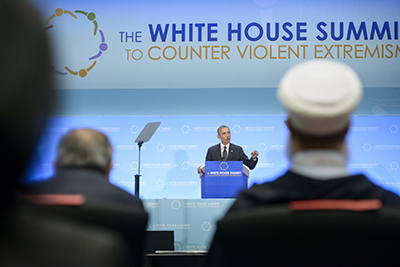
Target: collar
(320,164)
(87,169)
(227,146)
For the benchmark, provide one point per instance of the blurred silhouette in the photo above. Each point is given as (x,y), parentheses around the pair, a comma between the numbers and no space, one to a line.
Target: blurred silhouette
(82,166)
(28,238)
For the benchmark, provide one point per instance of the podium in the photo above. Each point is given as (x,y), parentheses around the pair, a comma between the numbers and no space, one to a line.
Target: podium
(223,179)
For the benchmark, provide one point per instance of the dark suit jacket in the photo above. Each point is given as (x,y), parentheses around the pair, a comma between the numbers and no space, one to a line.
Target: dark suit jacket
(235,154)
(292,186)
(91,183)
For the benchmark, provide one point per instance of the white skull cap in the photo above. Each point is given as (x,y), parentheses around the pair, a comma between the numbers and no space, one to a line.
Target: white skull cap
(319,96)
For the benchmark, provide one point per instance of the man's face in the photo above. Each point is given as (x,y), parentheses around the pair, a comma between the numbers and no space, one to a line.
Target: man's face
(225,136)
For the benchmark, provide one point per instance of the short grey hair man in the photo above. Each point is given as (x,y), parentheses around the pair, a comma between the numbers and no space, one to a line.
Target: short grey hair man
(85,148)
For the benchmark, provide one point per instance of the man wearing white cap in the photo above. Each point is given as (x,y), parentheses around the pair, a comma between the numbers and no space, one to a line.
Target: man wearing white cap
(319,97)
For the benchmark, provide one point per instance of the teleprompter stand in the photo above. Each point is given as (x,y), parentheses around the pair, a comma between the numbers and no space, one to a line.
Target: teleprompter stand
(143,137)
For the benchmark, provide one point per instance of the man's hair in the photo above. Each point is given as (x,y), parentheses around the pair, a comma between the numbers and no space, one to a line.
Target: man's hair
(84,148)
(221,127)
(26,89)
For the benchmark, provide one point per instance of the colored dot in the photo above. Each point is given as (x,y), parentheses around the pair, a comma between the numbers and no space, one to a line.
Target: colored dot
(103,47)
(59,12)
(82,73)
(91,16)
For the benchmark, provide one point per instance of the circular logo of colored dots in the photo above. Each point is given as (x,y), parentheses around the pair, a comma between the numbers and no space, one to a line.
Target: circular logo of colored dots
(90,59)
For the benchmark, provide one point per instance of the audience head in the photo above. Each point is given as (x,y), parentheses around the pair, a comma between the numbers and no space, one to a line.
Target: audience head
(85,148)
(26,91)
(319,96)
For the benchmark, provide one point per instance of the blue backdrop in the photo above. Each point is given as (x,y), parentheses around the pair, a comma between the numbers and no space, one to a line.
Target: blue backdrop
(170,159)
(194,65)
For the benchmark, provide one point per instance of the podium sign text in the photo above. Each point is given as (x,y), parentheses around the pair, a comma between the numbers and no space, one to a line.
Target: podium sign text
(223,179)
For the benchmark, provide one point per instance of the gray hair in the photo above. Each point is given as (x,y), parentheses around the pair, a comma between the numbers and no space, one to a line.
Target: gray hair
(221,127)
(85,148)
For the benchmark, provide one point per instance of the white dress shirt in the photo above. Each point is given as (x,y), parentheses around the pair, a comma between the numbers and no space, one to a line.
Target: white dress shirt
(222,150)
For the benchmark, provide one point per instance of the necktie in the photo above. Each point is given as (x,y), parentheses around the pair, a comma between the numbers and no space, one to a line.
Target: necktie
(224,154)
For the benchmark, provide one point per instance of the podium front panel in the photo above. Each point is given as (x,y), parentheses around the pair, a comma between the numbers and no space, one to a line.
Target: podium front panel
(223,179)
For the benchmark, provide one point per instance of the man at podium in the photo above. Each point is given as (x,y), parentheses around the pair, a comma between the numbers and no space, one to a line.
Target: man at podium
(226,151)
